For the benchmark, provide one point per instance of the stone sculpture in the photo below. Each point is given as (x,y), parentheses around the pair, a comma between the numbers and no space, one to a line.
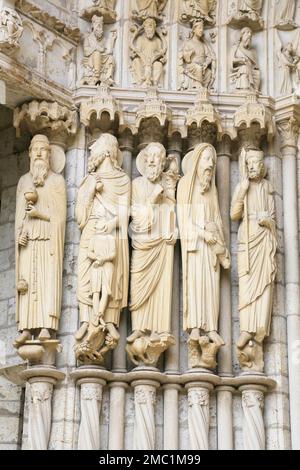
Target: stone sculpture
(102,213)
(148,54)
(285,14)
(154,235)
(197,62)
(40,232)
(203,252)
(11,28)
(199,10)
(248,13)
(246,73)
(103,8)
(148,9)
(99,62)
(289,64)
(253,203)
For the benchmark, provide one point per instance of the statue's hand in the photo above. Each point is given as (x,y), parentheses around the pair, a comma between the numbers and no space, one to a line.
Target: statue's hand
(33,212)
(265,222)
(23,239)
(210,238)
(245,185)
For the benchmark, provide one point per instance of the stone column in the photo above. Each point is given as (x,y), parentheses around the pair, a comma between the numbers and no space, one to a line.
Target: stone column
(90,401)
(253,424)
(224,394)
(144,423)
(289,131)
(198,414)
(171,416)
(41,380)
(117,415)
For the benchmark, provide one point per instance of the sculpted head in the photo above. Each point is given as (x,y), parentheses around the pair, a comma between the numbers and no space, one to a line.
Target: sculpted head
(149,28)
(256,169)
(105,147)
(39,154)
(246,37)
(155,160)
(198,29)
(206,167)
(97,26)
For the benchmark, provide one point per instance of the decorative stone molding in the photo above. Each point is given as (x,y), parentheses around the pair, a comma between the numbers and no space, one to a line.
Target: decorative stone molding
(94,111)
(148,9)
(49,21)
(247,14)
(203,111)
(46,117)
(289,132)
(153,107)
(11,29)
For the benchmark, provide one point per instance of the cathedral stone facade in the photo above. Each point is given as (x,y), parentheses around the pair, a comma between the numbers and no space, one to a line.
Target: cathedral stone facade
(149,224)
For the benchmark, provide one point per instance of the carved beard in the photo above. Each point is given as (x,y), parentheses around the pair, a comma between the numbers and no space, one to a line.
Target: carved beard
(39,170)
(153,173)
(205,182)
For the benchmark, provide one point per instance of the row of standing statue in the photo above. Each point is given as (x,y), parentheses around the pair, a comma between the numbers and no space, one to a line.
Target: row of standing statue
(197,59)
(156,209)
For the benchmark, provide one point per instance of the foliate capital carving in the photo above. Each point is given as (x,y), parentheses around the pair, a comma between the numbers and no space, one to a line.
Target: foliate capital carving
(289,132)
(92,110)
(91,392)
(198,397)
(143,395)
(11,29)
(51,119)
(40,392)
(253,398)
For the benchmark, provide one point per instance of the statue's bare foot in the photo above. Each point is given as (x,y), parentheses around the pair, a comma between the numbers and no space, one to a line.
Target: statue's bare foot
(243,339)
(44,335)
(113,331)
(135,335)
(195,334)
(154,338)
(82,331)
(22,338)
(216,338)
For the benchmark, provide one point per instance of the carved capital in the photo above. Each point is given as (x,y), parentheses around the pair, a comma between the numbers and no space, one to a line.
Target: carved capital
(198,397)
(40,392)
(143,395)
(289,132)
(56,121)
(253,398)
(91,392)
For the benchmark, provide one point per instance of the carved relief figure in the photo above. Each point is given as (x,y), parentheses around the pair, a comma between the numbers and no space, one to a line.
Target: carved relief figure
(149,9)
(98,57)
(11,28)
(148,54)
(103,8)
(248,13)
(246,73)
(199,9)
(102,213)
(197,60)
(251,8)
(40,233)
(154,235)
(285,14)
(203,252)
(253,204)
(289,64)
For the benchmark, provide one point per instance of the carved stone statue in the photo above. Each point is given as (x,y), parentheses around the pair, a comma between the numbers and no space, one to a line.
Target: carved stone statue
(199,9)
(197,61)
(148,9)
(285,14)
(253,204)
(148,54)
(203,252)
(11,28)
(246,73)
(102,213)
(289,64)
(99,62)
(248,13)
(40,233)
(154,235)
